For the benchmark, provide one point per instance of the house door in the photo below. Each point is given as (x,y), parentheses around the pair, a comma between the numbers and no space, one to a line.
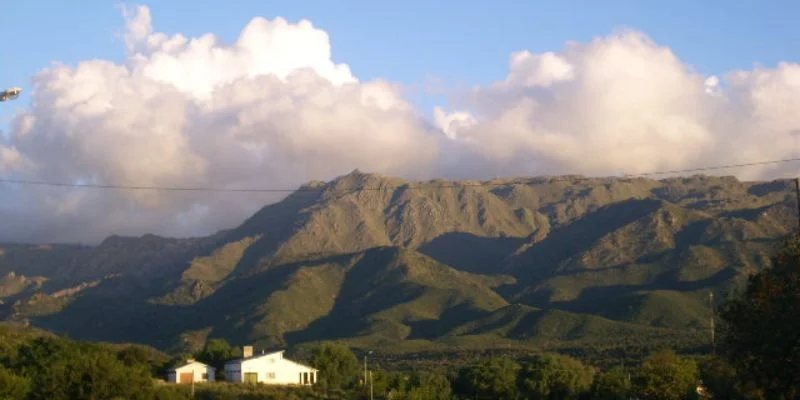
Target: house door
(250,377)
(187,377)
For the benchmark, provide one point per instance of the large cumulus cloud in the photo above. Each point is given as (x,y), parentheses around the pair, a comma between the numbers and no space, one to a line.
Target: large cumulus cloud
(270,110)
(273,110)
(622,104)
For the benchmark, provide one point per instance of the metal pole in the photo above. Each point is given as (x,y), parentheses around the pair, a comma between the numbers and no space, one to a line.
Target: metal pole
(365,370)
(713,341)
(370,385)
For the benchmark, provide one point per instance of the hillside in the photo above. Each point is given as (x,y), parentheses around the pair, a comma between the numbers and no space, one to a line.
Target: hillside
(381,261)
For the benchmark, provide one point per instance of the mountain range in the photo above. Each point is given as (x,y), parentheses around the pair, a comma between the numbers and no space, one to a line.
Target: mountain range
(381,262)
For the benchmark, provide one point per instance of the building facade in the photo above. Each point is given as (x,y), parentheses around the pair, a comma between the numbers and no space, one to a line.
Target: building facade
(269,368)
(191,371)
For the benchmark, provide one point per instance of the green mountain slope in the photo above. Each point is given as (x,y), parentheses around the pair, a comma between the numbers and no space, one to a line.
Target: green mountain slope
(528,323)
(373,259)
(389,291)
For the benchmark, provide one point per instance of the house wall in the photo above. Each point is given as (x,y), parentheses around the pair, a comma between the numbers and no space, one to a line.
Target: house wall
(288,372)
(233,372)
(270,369)
(197,371)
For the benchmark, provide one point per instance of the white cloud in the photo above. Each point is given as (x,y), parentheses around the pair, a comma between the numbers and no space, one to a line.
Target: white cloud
(270,110)
(622,103)
(452,123)
(273,110)
(138,25)
(712,84)
(10,158)
(530,70)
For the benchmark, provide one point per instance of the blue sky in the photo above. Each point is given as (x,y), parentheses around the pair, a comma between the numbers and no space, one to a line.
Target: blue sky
(461,42)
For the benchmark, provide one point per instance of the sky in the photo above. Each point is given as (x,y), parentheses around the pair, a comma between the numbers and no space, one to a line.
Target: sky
(244,94)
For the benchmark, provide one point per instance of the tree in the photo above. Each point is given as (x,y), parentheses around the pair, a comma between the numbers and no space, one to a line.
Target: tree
(614,384)
(666,376)
(429,386)
(495,378)
(133,355)
(94,374)
(338,366)
(216,352)
(13,386)
(59,369)
(760,329)
(389,384)
(720,378)
(555,377)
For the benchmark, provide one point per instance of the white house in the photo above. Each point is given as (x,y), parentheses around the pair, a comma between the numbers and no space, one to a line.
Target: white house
(270,368)
(191,371)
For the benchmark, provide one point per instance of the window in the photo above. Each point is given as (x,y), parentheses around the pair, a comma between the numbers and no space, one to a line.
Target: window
(270,375)
(205,375)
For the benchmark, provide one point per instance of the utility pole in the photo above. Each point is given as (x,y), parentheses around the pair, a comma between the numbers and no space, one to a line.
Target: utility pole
(365,367)
(713,340)
(797,187)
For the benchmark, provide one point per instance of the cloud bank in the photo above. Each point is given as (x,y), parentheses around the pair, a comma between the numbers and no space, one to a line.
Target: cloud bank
(273,110)
(623,104)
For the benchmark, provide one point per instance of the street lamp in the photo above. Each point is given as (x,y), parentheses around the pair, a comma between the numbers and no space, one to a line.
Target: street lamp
(10,94)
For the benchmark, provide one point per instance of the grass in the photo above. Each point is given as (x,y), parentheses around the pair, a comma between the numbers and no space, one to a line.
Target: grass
(226,390)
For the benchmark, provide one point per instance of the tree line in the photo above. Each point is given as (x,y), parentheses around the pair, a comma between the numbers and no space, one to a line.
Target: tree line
(758,357)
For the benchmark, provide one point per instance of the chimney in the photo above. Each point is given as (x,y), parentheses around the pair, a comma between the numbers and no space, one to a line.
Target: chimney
(247,351)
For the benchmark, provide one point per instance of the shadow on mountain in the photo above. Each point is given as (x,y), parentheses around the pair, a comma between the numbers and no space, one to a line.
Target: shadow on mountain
(767,188)
(109,312)
(747,214)
(468,252)
(434,328)
(398,293)
(512,318)
(275,223)
(784,214)
(368,288)
(234,308)
(544,258)
(526,326)
(599,300)
(520,322)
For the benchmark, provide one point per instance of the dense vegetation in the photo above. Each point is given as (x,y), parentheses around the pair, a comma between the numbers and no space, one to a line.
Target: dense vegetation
(761,330)
(758,359)
(49,367)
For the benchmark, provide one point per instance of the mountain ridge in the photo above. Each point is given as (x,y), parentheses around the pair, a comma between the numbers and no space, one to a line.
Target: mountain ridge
(634,256)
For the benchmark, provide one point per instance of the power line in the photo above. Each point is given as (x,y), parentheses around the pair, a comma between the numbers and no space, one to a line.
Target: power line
(797,190)
(541,179)
(716,167)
